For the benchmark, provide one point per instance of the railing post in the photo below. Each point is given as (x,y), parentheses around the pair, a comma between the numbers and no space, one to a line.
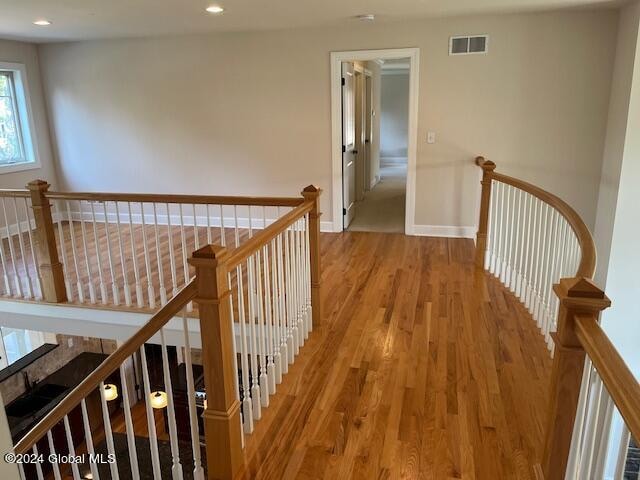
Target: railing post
(485,199)
(313,193)
(222,426)
(51,271)
(577,296)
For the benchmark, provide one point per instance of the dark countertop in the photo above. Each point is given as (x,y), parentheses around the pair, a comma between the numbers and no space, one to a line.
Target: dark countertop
(67,377)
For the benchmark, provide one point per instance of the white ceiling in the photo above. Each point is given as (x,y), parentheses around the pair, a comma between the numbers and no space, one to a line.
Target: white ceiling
(92,19)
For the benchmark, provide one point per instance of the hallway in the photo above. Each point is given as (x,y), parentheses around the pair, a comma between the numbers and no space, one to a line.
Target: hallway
(424,368)
(383,207)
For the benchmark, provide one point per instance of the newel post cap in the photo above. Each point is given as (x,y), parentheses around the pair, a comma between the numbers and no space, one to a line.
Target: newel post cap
(311,191)
(486,165)
(41,185)
(209,255)
(581,293)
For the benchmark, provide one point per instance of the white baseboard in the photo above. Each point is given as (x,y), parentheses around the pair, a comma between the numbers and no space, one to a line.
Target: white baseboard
(327,227)
(444,231)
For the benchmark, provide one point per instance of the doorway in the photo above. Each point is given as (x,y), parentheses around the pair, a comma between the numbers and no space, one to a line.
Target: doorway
(374,119)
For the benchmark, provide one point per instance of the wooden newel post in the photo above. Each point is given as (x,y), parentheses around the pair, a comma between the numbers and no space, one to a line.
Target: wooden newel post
(51,271)
(577,296)
(485,199)
(313,193)
(222,426)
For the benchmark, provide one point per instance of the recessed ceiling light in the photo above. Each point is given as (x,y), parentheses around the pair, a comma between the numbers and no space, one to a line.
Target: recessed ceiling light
(42,22)
(369,17)
(215,9)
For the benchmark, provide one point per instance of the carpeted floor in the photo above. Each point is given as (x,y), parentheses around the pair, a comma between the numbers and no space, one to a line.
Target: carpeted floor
(382,209)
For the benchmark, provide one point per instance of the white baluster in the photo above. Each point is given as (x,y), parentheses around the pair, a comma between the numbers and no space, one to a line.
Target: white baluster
(263,347)
(5,272)
(271,377)
(88,439)
(108,434)
(253,352)
(176,466)
(494,228)
(277,318)
(286,350)
(103,287)
(209,238)
(123,259)
(307,260)
(296,276)
(134,258)
(147,262)
(14,260)
(83,230)
(128,421)
(247,413)
(38,464)
(198,471)
(501,233)
(52,451)
(163,289)
(151,420)
(70,446)
(172,258)
(292,336)
(223,238)
(30,225)
(196,239)
(185,264)
(63,250)
(74,252)
(235,225)
(114,284)
(30,292)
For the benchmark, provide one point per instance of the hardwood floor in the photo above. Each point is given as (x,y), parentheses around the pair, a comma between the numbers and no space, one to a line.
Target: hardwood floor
(424,368)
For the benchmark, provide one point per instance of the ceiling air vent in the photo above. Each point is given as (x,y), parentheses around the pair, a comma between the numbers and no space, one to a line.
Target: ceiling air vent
(468,44)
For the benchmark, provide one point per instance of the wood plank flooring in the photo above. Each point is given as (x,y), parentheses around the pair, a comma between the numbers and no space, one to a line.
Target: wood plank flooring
(424,368)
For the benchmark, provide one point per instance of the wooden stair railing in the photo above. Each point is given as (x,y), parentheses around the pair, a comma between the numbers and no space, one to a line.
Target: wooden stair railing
(540,248)
(108,248)
(257,302)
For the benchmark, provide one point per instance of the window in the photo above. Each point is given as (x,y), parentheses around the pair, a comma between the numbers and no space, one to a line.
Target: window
(16,343)
(16,142)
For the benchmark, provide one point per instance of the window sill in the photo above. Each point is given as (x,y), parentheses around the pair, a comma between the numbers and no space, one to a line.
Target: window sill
(18,167)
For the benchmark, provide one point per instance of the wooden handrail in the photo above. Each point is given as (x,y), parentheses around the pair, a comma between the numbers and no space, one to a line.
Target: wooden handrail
(177,198)
(587,266)
(106,368)
(14,192)
(621,384)
(266,235)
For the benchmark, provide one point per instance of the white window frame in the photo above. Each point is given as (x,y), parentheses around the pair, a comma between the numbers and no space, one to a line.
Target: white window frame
(25,118)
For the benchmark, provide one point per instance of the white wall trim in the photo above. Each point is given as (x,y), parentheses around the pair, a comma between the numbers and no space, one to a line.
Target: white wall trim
(336,127)
(448,231)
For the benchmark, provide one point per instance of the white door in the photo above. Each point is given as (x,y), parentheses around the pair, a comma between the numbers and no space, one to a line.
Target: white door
(349,151)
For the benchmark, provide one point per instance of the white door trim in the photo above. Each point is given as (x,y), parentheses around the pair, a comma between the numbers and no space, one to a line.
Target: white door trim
(336,127)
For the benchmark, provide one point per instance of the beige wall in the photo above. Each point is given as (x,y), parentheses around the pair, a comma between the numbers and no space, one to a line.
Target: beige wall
(249,113)
(27,54)
(616,135)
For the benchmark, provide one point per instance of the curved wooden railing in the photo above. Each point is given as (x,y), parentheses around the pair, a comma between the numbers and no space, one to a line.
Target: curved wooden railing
(541,249)
(257,303)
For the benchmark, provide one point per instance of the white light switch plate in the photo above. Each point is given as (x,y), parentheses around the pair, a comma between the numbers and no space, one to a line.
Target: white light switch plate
(431,137)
